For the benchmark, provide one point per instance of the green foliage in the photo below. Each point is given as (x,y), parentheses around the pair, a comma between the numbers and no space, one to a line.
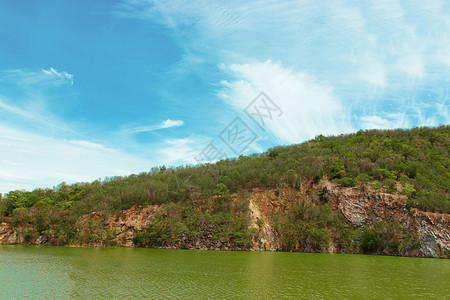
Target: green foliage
(409,191)
(182,224)
(388,237)
(345,181)
(370,241)
(389,184)
(273,153)
(337,170)
(27,236)
(323,194)
(304,227)
(260,222)
(20,216)
(385,174)
(362,178)
(221,189)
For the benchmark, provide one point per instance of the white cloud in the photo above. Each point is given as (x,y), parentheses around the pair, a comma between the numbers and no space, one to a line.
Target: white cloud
(61,75)
(442,52)
(88,145)
(29,160)
(163,125)
(38,149)
(389,121)
(373,72)
(23,102)
(176,152)
(171,123)
(32,113)
(361,50)
(412,64)
(309,106)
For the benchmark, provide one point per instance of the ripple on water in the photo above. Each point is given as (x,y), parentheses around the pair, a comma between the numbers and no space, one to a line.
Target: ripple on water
(60,272)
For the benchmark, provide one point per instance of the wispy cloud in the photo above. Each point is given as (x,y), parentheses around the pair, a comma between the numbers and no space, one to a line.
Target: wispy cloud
(40,149)
(35,160)
(175,152)
(171,123)
(309,106)
(374,57)
(388,122)
(60,75)
(23,101)
(163,125)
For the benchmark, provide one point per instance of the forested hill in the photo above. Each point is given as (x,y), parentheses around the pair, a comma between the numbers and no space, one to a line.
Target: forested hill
(375,191)
(413,162)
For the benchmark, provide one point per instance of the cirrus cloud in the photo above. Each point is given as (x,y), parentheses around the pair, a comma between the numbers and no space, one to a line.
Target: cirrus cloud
(309,106)
(60,75)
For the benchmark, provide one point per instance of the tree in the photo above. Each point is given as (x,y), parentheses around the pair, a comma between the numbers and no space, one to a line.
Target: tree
(221,189)
(273,154)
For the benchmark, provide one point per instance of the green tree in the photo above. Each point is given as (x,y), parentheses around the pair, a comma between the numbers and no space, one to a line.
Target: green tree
(221,189)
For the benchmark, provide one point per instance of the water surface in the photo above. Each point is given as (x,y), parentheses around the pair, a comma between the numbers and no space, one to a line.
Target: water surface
(63,272)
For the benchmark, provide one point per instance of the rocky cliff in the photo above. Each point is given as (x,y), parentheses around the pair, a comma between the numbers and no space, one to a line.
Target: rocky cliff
(363,208)
(360,207)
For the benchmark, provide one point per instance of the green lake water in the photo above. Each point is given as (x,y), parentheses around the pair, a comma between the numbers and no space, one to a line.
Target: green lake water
(61,272)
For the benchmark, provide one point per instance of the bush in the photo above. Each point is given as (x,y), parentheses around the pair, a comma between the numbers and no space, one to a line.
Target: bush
(409,190)
(274,154)
(345,182)
(221,189)
(370,241)
(363,178)
(337,170)
(260,222)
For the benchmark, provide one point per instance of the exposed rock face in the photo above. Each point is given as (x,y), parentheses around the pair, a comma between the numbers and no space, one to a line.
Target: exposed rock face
(41,240)
(8,235)
(435,232)
(267,239)
(362,208)
(359,206)
(126,223)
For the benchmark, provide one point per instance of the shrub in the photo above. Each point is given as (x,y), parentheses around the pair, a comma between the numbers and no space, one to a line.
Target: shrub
(260,222)
(409,190)
(345,181)
(27,236)
(221,189)
(370,241)
(362,178)
(274,154)
(337,170)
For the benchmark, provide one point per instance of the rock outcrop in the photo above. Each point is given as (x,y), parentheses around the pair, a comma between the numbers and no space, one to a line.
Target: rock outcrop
(8,235)
(126,223)
(363,207)
(267,239)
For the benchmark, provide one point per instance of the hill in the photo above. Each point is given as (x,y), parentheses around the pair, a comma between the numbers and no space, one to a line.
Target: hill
(311,194)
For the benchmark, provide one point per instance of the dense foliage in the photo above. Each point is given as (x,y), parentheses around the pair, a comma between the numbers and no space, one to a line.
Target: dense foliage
(413,162)
(216,221)
(307,224)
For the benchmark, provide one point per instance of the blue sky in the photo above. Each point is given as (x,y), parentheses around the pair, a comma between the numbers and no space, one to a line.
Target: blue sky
(90,89)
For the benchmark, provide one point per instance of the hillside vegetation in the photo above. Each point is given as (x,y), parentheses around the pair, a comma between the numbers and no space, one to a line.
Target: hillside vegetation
(413,162)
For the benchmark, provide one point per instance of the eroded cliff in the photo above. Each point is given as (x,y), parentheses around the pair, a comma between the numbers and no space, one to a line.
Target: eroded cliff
(409,232)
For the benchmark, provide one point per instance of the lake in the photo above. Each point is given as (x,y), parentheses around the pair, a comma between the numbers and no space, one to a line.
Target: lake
(65,272)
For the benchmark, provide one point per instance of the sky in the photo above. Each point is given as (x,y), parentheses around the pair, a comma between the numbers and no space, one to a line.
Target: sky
(93,89)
